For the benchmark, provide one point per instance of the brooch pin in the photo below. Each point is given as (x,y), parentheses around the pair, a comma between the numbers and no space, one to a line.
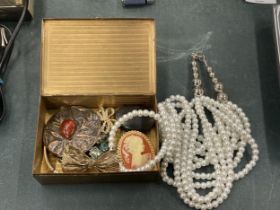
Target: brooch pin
(135,150)
(77,126)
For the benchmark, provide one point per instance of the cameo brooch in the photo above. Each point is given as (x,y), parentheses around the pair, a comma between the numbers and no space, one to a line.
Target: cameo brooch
(135,150)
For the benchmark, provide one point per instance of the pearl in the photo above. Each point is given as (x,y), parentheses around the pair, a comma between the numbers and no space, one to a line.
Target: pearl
(181,143)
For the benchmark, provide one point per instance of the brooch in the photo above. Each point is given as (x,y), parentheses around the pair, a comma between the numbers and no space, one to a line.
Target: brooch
(75,126)
(135,150)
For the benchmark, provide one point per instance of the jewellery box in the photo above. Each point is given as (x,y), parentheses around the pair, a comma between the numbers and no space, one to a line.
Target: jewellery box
(93,62)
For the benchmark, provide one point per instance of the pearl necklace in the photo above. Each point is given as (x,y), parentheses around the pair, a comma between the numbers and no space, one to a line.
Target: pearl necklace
(220,144)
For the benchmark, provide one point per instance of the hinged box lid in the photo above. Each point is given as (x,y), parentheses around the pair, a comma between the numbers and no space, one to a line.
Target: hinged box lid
(98,56)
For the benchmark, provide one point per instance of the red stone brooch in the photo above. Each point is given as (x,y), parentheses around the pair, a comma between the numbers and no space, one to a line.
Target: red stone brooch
(75,126)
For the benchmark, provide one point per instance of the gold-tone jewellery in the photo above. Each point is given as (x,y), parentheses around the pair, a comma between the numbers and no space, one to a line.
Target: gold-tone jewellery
(74,160)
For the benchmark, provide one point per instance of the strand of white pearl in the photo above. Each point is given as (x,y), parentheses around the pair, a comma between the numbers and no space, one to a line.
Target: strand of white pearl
(238,121)
(180,137)
(216,157)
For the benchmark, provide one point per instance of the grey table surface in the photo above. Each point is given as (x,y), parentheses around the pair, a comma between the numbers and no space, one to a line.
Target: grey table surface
(238,39)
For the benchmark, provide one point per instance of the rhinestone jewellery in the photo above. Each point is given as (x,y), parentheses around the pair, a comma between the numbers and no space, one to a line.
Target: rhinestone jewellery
(191,141)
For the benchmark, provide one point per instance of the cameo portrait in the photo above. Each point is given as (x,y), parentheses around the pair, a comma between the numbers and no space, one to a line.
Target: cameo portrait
(135,150)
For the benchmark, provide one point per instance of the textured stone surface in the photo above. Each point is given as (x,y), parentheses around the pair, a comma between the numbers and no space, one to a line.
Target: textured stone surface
(236,36)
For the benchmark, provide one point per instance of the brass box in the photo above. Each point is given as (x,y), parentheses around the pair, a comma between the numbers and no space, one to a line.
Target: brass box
(92,62)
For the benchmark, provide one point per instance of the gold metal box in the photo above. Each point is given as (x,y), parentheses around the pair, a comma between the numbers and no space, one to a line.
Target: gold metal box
(92,62)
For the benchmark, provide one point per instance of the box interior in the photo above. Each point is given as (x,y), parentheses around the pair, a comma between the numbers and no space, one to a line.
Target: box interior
(50,105)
